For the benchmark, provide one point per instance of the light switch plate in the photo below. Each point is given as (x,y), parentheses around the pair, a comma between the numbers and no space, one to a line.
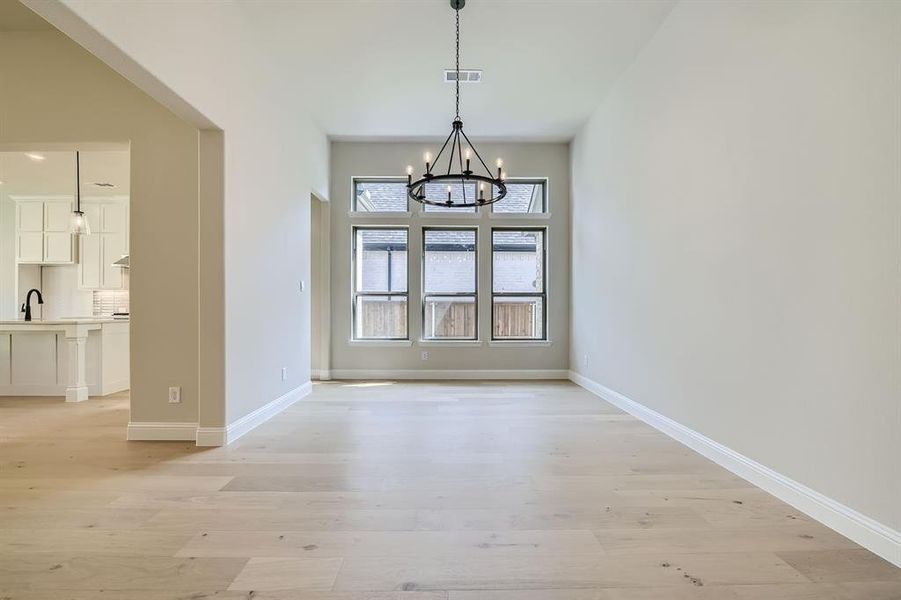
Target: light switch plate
(174,395)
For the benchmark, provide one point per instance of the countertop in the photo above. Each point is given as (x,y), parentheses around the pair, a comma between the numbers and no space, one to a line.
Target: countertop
(66,321)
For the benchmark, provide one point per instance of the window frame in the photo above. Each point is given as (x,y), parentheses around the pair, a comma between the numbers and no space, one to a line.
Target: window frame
(545,199)
(425,294)
(384,179)
(542,294)
(355,294)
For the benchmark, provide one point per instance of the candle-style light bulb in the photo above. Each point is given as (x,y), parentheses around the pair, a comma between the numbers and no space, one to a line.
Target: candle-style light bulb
(409,174)
(428,162)
(468,156)
(481,191)
(449,194)
(500,164)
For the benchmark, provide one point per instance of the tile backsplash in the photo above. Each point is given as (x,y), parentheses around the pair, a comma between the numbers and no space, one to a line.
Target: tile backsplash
(106,302)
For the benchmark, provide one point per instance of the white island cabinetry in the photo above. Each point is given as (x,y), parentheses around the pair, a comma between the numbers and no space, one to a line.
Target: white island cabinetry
(74,358)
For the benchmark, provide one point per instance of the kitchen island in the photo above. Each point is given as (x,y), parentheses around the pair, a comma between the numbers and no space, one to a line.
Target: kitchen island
(75,358)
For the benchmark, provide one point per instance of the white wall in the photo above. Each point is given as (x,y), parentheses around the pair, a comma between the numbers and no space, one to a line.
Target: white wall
(736,233)
(365,159)
(206,61)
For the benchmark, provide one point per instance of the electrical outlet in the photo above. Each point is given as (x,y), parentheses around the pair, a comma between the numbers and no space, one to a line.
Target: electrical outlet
(424,355)
(301,285)
(174,395)
(585,360)
(284,373)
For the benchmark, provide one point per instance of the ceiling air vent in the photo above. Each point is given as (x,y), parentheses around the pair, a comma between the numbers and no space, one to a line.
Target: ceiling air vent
(466,76)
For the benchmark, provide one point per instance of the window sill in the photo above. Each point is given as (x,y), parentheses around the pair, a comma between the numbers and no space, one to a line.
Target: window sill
(381,343)
(530,216)
(379,215)
(520,343)
(457,343)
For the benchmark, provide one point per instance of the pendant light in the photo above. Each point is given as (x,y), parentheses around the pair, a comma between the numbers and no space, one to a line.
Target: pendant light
(465,173)
(79,222)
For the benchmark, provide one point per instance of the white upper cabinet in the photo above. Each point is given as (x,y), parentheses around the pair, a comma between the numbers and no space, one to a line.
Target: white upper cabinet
(30,216)
(42,231)
(114,218)
(89,263)
(57,216)
(107,243)
(30,247)
(91,212)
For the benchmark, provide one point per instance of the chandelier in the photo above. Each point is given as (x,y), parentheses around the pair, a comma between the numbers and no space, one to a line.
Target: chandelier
(462,173)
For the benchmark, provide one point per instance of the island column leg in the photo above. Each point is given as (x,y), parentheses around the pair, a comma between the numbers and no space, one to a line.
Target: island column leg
(77,383)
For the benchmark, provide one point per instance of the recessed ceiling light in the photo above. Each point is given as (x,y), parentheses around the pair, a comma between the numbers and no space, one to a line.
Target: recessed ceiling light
(35,156)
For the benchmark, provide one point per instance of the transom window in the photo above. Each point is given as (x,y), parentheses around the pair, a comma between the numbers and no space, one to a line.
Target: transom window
(380,195)
(523,196)
(380,283)
(450,281)
(519,284)
(439,192)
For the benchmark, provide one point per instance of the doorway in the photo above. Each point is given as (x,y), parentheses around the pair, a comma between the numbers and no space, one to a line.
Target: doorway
(320,282)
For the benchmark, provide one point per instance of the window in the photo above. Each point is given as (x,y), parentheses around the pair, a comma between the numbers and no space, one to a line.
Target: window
(380,195)
(519,286)
(438,191)
(380,283)
(449,276)
(523,196)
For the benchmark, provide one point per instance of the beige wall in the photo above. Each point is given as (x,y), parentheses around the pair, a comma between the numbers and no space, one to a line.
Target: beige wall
(350,159)
(54,92)
(736,233)
(209,62)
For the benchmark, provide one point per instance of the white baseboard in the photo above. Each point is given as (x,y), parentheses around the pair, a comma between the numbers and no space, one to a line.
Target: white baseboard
(221,436)
(111,387)
(448,374)
(33,389)
(148,431)
(869,533)
(321,374)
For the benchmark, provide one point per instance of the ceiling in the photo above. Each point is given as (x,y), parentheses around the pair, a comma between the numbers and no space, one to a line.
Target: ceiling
(374,70)
(16,17)
(56,173)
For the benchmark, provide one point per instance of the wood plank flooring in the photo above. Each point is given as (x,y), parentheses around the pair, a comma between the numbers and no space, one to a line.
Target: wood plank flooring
(402,491)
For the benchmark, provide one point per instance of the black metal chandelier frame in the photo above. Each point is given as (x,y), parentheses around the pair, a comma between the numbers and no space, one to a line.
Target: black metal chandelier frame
(497,189)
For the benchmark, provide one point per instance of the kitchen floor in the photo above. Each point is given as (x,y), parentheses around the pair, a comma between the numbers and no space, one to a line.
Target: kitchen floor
(413,491)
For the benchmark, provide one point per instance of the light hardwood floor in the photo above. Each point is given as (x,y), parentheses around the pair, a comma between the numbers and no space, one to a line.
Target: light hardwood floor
(412,491)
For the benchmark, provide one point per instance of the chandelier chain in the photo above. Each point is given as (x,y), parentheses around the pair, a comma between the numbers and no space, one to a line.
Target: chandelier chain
(458,63)
(476,188)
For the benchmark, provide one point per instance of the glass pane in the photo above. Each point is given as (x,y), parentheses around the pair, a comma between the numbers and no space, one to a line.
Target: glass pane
(518,318)
(450,261)
(522,197)
(450,317)
(381,260)
(381,317)
(380,196)
(438,191)
(518,261)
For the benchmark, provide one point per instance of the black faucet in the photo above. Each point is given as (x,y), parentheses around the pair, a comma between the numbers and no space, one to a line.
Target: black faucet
(26,308)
